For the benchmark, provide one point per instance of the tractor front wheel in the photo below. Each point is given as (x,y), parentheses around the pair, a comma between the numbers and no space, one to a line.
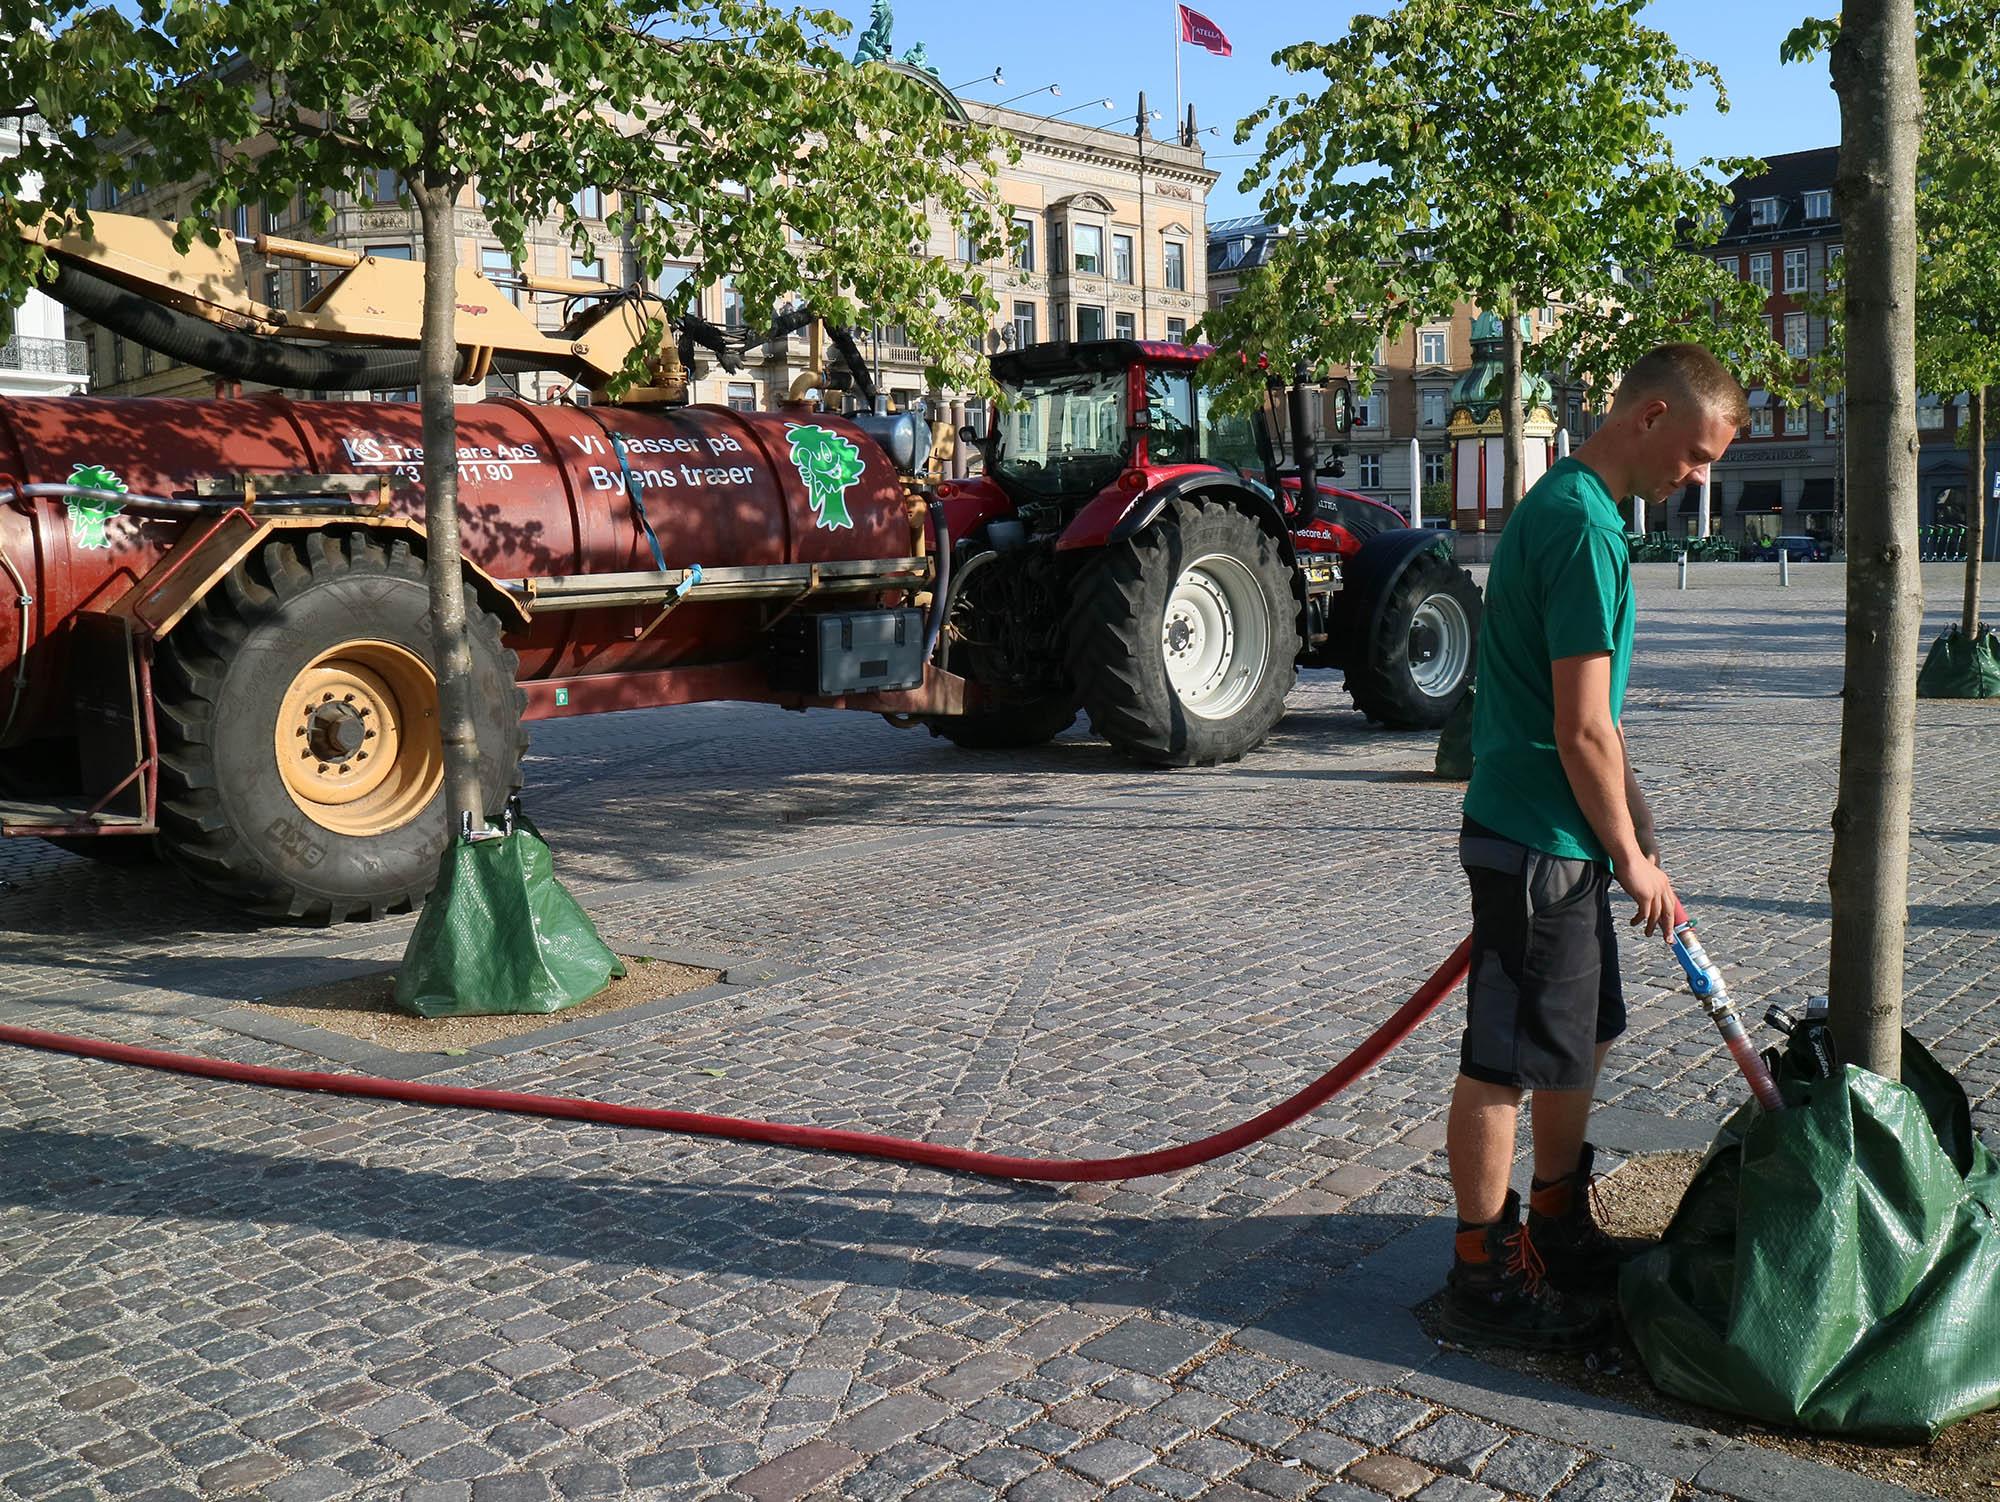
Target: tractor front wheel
(1418,661)
(302,773)
(1183,640)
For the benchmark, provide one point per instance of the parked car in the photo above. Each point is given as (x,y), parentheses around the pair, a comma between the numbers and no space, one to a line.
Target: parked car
(1802,550)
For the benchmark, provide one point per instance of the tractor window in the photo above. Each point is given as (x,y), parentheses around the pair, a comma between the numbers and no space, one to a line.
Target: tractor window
(1184,428)
(1066,434)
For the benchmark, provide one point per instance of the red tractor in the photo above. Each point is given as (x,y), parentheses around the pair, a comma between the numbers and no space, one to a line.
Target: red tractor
(1133,551)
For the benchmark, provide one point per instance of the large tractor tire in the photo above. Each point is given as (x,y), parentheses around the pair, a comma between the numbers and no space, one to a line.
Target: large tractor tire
(302,771)
(1183,640)
(1419,659)
(1014,727)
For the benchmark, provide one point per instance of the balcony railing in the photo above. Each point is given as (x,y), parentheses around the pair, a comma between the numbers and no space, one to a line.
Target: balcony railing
(63,357)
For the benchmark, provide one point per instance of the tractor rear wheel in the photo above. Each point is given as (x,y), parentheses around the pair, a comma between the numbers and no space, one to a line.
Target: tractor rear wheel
(302,773)
(1419,660)
(1183,640)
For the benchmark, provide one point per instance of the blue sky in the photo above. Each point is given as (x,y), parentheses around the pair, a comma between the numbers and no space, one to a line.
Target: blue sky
(1117,47)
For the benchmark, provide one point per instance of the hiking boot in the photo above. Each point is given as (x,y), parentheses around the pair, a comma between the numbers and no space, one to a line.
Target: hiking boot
(1498,1292)
(1579,1256)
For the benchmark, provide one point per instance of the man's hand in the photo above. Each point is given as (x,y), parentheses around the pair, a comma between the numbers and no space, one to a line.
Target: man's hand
(1647,885)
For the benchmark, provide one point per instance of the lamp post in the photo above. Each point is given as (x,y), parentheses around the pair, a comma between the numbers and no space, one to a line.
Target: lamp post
(1106,103)
(995,77)
(1047,88)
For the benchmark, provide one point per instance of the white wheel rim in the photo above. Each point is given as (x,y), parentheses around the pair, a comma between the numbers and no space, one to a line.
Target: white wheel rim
(1440,646)
(1214,636)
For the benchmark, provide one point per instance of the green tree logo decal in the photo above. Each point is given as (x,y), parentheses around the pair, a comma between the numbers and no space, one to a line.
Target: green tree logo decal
(87,516)
(829,465)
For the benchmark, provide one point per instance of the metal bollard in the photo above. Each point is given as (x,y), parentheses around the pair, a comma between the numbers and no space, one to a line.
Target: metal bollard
(1784,568)
(1684,568)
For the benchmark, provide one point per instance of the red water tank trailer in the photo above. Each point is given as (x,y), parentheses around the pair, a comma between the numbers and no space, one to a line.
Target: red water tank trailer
(223,601)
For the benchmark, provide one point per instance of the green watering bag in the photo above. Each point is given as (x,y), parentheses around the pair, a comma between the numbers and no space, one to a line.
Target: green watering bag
(1835,1266)
(501,935)
(1961,666)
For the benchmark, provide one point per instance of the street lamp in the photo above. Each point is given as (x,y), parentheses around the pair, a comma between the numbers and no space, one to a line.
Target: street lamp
(1075,107)
(1047,88)
(993,77)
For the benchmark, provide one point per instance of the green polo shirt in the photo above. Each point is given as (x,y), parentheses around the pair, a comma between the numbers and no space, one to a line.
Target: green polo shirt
(1560,586)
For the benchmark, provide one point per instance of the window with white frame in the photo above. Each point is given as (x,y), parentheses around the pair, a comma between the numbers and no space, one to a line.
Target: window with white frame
(968,240)
(1430,404)
(588,203)
(1024,243)
(1795,335)
(1760,270)
(1819,203)
(1437,464)
(1177,331)
(1176,264)
(1796,418)
(1834,254)
(586,268)
(498,268)
(1763,213)
(1431,344)
(672,276)
(1024,324)
(1123,326)
(1371,471)
(1930,413)
(732,304)
(1795,270)
(1731,264)
(1833,419)
(1089,243)
(743,396)
(1121,258)
(274,289)
(1760,422)
(1089,322)
(1365,409)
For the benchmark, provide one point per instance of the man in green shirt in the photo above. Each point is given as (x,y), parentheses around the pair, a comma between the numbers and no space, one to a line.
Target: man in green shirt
(1552,817)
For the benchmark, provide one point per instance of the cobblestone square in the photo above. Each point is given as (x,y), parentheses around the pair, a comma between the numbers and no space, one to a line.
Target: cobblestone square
(217,1291)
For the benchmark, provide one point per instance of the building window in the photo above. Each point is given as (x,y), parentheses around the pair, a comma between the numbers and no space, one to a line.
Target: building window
(1371,471)
(1795,419)
(1431,347)
(388,252)
(672,276)
(1176,266)
(145,360)
(406,394)
(1795,270)
(1760,270)
(498,268)
(1436,467)
(1834,253)
(1795,335)
(276,216)
(308,284)
(1089,259)
(1819,203)
(1833,420)
(1024,324)
(1575,417)
(1089,322)
(117,358)
(1123,326)
(1930,414)
(1121,258)
(1731,264)
(586,269)
(1177,331)
(385,185)
(732,304)
(1056,262)
(1763,213)
(1024,243)
(968,241)
(1364,410)
(274,289)
(1760,422)
(742,396)
(1431,403)
(588,203)
(239,221)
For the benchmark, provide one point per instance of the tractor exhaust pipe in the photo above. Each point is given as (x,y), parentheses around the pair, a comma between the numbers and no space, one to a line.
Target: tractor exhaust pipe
(1302,449)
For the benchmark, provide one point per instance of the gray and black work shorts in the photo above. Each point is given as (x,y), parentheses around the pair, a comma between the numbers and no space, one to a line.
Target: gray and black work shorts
(1543,991)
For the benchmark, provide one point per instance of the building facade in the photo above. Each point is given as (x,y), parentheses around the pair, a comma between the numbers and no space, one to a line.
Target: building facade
(1411,395)
(1108,226)
(37,356)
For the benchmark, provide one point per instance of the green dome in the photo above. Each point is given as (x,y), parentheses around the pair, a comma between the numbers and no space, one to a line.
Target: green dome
(1479,390)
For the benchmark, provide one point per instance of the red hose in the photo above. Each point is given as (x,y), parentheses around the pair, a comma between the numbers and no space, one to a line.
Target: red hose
(824,1139)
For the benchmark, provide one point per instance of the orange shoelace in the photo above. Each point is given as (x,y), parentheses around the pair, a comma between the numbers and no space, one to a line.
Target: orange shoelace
(1525,1260)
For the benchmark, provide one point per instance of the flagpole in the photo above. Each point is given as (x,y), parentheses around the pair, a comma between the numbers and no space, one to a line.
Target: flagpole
(1179,110)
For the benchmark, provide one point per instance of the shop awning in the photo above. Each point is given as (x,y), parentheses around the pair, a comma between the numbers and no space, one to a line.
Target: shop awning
(1691,502)
(1759,398)
(1760,495)
(1818,494)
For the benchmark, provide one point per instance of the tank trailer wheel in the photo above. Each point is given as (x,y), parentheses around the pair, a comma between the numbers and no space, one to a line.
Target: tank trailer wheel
(1420,661)
(1183,640)
(302,771)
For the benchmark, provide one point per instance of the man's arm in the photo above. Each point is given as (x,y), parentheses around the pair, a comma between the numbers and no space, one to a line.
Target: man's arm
(1593,758)
(1635,804)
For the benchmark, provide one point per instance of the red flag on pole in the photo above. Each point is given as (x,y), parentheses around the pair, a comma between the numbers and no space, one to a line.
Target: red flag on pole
(1197,28)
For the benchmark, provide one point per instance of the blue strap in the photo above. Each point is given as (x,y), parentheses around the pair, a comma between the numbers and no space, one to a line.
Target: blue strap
(636,491)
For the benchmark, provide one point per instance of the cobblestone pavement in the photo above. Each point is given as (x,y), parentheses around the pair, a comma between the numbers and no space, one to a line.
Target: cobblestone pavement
(215,1291)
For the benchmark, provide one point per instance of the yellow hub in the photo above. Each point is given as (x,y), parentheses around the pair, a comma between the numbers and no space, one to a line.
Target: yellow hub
(357,738)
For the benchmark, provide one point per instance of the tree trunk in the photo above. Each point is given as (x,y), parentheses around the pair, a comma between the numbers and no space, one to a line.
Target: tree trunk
(1975,514)
(438,362)
(1513,425)
(1875,75)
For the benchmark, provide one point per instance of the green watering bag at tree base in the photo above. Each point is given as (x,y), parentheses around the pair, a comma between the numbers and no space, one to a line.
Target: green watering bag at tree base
(1836,1265)
(1962,667)
(500,936)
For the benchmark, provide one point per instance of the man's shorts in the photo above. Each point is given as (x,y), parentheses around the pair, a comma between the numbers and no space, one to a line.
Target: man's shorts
(1543,991)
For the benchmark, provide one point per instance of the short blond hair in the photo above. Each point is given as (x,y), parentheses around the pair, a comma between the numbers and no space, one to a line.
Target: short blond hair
(1684,373)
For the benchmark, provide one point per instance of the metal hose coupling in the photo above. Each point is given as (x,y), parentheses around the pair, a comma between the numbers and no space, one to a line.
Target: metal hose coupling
(1706,982)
